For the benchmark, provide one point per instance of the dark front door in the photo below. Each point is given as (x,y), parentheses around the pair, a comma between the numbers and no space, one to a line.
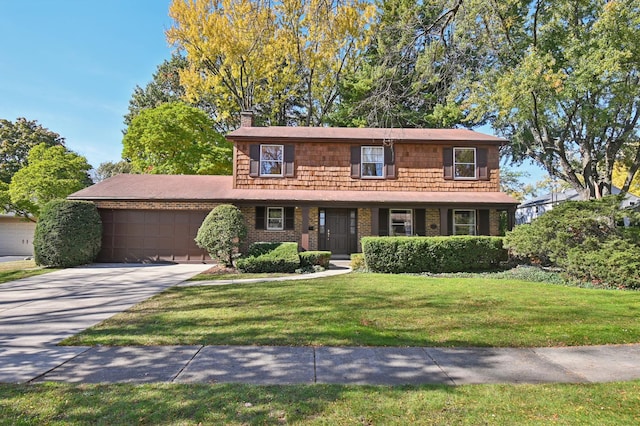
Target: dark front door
(338,231)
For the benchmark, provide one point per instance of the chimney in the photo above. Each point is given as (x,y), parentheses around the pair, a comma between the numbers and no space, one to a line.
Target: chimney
(246,119)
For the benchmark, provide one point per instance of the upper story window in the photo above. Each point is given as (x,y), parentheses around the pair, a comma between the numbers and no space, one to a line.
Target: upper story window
(464,163)
(271,160)
(372,161)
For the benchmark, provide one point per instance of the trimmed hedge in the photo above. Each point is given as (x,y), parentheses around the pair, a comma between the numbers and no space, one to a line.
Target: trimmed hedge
(68,233)
(315,258)
(283,258)
(432,254)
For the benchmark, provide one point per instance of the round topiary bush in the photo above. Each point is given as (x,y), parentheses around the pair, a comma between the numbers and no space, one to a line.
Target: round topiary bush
(222,232)
(68,233)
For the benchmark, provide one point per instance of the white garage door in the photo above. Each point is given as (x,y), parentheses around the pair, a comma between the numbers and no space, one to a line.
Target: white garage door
(16,238)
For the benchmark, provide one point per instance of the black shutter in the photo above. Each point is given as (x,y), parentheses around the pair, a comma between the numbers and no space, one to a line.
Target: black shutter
(447,159)
(482,168)
(383,222)
(450,222)
(289,156)
(484,227)
(254,160)
(260,219)
(389,163)
(289,217)
(355,162)
(420,227)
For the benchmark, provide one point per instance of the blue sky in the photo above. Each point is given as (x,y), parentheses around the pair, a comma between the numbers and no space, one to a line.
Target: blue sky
(72,66)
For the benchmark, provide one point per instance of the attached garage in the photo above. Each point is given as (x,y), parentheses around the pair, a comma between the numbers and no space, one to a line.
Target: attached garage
(16,236)
(131,235)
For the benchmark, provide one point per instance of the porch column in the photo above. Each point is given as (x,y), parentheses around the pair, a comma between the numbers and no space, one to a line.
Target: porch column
(304,239)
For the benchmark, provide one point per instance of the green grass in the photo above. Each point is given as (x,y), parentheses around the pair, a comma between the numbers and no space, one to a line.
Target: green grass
(377,310)
(235,276)
(171,404)
(10,271)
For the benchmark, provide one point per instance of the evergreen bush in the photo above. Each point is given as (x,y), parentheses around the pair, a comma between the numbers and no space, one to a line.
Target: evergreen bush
(283,258)
(68,233)
(222,232)
(432,254)
(315,258)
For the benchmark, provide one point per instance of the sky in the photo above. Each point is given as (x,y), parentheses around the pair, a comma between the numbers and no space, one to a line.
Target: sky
(72,66)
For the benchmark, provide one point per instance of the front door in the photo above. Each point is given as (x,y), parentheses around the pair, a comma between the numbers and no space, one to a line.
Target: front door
(337,232)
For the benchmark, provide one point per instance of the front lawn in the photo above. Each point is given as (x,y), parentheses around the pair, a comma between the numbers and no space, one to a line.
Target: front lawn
(170,404)
(10,271)
(377,310)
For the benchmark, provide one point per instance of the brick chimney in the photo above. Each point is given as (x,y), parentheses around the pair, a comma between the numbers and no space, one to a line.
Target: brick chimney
(246,119)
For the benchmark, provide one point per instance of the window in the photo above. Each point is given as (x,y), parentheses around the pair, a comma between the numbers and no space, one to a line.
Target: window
(271,160)
(372,161)
(275,218)
(464,163)
(400,222)
(464,222)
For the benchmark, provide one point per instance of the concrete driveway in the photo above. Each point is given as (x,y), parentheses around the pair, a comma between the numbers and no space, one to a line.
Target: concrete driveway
(38,312)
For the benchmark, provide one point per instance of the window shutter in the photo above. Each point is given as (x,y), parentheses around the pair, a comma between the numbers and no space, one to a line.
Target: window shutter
(289,156)
(383,222)
(254,160)
(389,163)
(482,168)
(420,226)
(289,217)
(450,222)
(484,227)
(260,217)
(447,159)
(355,162)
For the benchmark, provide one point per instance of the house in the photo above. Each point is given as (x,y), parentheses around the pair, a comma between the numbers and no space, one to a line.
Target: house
(531,209)
(16,236)
(323,187)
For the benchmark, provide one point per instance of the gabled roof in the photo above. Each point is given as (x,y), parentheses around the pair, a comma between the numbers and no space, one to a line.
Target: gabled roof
(220,189)
(340,134)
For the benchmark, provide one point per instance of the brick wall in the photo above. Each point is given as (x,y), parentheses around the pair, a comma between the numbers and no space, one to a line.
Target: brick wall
(156,205)
(326,166)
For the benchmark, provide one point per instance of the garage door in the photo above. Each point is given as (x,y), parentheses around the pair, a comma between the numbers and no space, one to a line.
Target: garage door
(16,238)
(151,236)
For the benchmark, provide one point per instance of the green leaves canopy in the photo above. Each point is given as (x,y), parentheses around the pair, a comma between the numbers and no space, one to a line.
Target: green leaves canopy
(51,173)
(175,138)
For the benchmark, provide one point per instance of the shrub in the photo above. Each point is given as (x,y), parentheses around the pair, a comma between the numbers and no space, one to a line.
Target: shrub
(357,262)
(432,254)
(68,233)
(260,248)
(283,258)
(315,258)
(616,263)
(222,232)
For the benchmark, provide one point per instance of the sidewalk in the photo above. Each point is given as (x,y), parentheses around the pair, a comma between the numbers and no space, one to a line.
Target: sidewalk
(37,312)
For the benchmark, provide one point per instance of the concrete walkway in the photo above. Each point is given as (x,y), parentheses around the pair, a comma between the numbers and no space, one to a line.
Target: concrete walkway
(36,313)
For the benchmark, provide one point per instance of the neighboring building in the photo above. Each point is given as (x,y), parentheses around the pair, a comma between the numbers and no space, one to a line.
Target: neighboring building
(324,188)
(531,209)
(16,236)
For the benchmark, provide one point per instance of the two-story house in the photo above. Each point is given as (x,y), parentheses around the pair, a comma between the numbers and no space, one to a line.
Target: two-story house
(322,187)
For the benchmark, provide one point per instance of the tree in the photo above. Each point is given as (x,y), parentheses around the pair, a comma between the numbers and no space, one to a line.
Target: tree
(176,138)
(109,169)
(560,80)
(620,176)
(16,140)
(222,232)
(282,59)
(51,173)
(68,233)
(407,72)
